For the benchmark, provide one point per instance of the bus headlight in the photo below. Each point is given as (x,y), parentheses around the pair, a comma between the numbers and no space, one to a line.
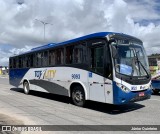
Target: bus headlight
(124,88)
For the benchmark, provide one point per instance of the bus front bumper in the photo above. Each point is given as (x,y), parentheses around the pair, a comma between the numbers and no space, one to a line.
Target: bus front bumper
(121,97)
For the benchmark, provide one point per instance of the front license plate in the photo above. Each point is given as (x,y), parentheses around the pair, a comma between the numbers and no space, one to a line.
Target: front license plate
(141,94)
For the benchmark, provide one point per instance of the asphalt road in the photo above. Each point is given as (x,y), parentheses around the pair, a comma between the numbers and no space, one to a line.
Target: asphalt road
(48,109)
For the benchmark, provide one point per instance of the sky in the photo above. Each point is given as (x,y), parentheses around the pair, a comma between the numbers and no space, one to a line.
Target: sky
(20,29)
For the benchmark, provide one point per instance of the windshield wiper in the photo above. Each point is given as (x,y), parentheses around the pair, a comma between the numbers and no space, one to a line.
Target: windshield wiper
(136,59)
(143,67)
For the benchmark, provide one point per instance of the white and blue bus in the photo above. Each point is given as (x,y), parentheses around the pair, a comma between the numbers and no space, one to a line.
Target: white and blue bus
(105,67)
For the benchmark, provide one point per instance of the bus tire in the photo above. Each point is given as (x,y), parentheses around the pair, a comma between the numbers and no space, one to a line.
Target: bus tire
(26,87)
(78,96)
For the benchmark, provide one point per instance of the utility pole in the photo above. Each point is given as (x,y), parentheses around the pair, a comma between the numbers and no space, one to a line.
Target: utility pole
(44,25)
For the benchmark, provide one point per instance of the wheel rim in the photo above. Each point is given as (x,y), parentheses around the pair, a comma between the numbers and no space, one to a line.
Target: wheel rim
(78,96)
(26,87)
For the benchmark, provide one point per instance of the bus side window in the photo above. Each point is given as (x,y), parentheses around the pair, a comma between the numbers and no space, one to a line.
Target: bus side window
(77,58)
(31,60)
(27,60)
(59,56)
(84,53)
(51,57)
(17,62)
(24,61)
(35,60)
(69,54)
(62,56)
(80,53)
(38,59)
(45,59)
(14,63)
(20,62)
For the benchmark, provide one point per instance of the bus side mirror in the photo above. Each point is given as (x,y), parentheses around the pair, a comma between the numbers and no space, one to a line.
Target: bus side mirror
(114,52)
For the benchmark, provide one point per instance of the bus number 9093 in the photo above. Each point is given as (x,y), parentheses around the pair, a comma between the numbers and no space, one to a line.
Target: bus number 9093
(75,76)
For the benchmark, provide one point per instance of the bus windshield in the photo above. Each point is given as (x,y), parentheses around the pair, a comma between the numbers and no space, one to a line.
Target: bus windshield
(131,60)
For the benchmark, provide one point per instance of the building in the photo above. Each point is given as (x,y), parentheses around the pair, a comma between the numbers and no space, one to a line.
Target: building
(3,70)
(154,64)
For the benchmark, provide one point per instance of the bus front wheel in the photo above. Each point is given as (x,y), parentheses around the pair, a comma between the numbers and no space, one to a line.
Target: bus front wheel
(78,96)
(26,87)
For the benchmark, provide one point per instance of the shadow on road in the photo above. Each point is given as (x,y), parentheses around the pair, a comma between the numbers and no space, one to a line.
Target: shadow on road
(49,96)
(113,109)
(97,106)
(17,90)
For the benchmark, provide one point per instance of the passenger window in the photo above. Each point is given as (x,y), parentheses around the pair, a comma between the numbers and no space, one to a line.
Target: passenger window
(28,61)
(24,61)
(52,57)
(20,62)
(38,59)
(31,60)
(76,54)
(45,59)
(59,56)
(14,62)
(69,54)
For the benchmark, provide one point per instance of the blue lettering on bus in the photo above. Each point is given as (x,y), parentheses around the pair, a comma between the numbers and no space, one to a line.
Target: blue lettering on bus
(75,76)
(133,88)
(38,74)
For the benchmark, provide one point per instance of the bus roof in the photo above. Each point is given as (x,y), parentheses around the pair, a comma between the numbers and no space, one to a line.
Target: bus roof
(94,35)
(100,34)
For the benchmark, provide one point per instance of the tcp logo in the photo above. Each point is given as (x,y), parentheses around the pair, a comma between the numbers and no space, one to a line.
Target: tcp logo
(38,74)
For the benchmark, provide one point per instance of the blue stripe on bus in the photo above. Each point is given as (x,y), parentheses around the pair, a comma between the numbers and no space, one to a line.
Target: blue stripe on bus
(121,97)
(16,75)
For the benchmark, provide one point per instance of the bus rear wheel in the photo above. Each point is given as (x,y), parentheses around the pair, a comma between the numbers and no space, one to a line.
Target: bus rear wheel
(78,96)
(26,87)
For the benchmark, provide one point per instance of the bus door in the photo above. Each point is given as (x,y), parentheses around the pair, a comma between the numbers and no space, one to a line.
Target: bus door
(108,85)
(95,78)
